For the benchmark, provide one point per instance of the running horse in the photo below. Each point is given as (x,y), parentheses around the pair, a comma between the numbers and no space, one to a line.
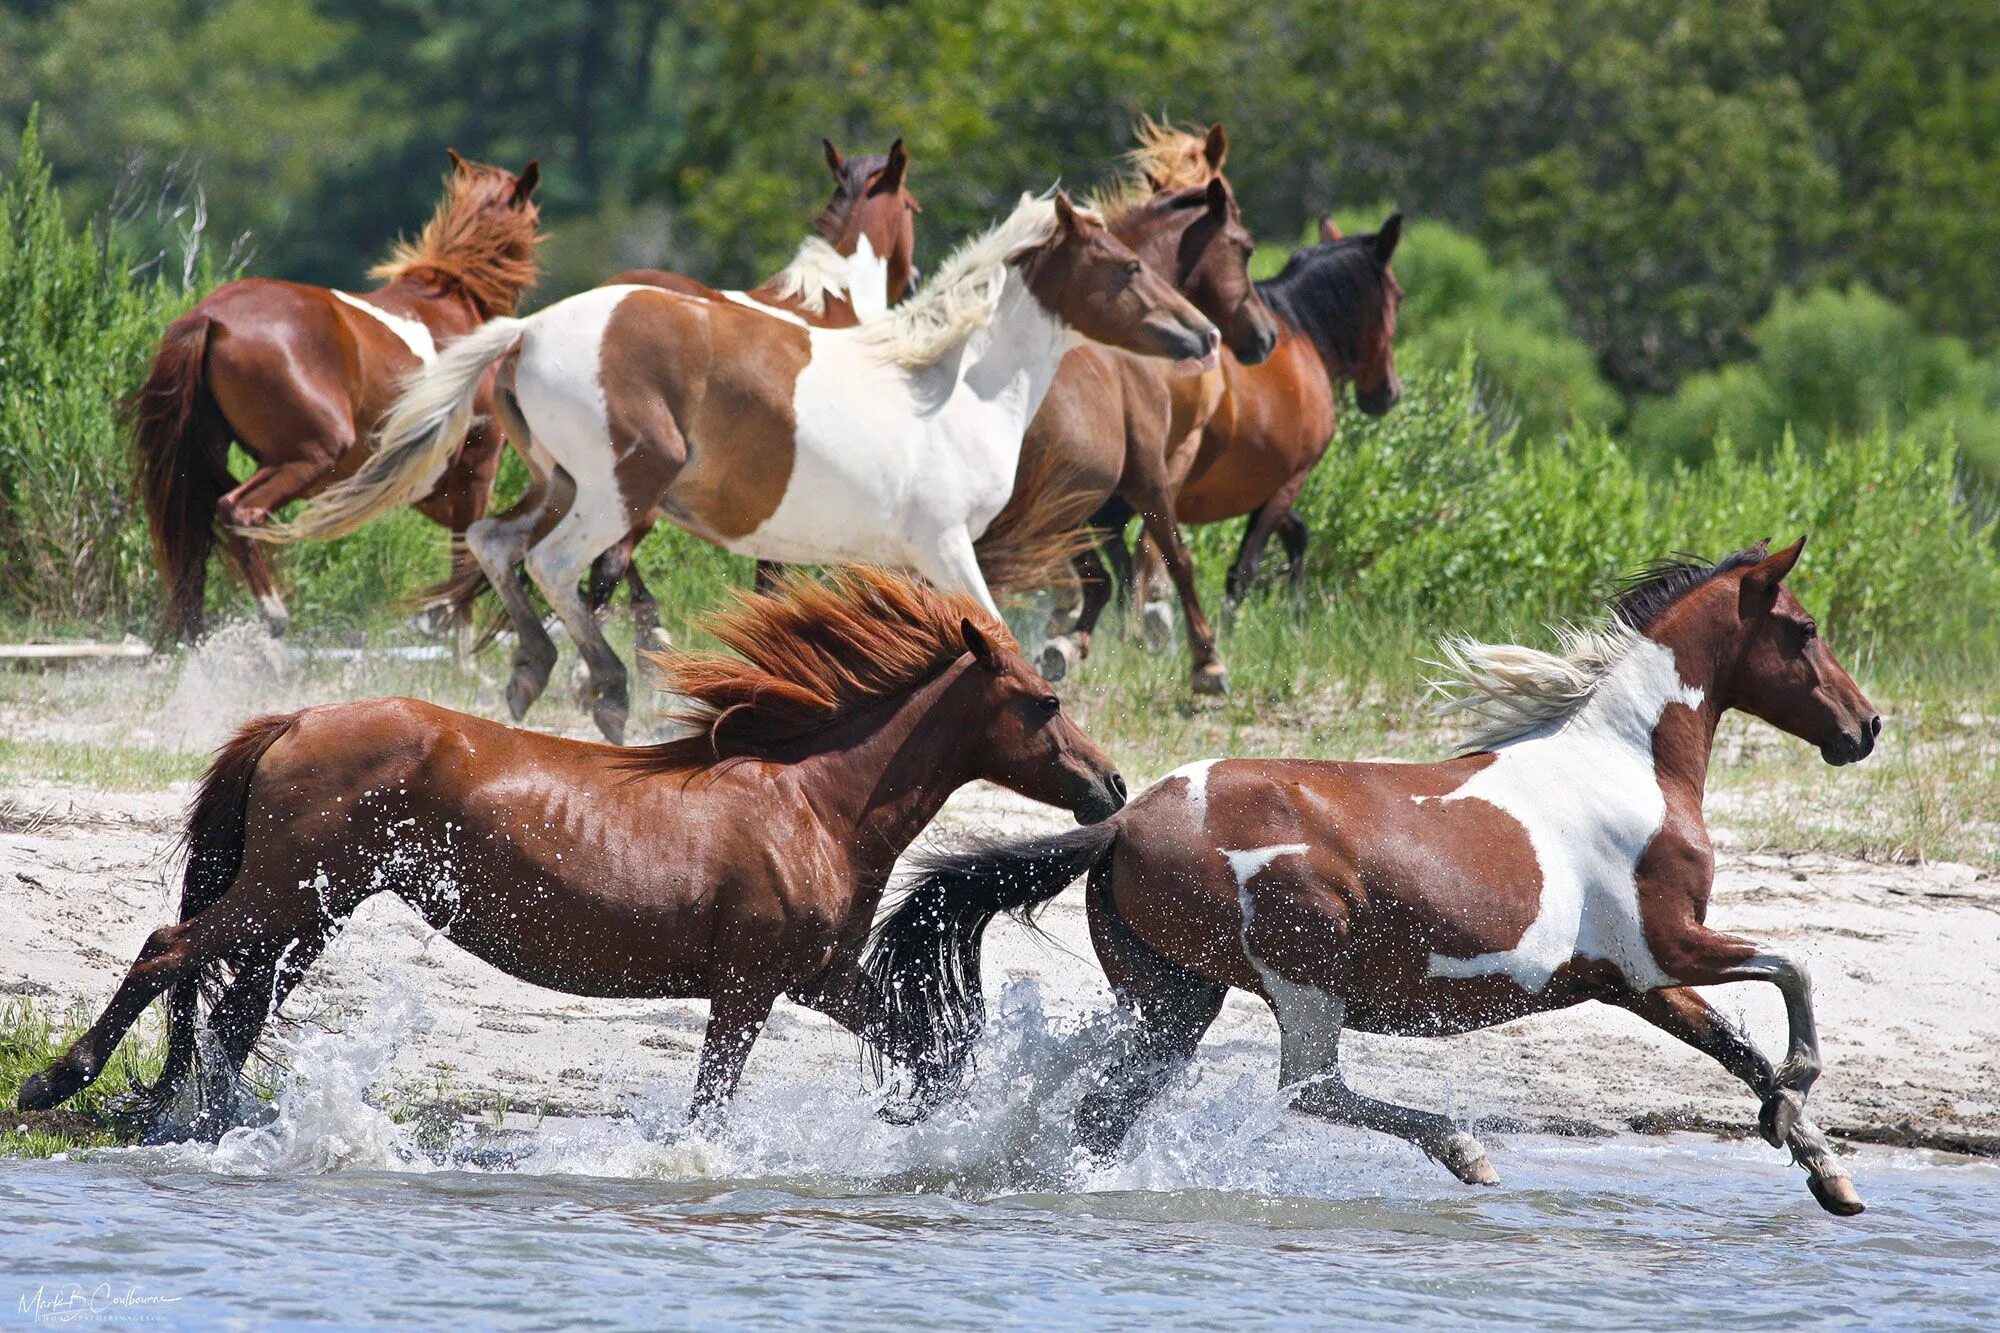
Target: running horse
(299,376)
(1125,427)
(1563,859)
(739,864)
(894,442)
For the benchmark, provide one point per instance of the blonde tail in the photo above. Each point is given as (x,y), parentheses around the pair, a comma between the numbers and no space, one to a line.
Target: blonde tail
(415,441)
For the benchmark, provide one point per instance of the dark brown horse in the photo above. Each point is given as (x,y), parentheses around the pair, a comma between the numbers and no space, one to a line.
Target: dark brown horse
(1118,425)
(1564,859)
(1336,303)
(740,864)
(299,376)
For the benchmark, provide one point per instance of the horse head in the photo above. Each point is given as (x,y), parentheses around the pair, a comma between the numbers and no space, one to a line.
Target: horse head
(872,205)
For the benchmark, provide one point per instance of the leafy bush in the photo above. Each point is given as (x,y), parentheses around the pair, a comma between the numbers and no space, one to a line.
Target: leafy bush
(76,329)
(1433,512)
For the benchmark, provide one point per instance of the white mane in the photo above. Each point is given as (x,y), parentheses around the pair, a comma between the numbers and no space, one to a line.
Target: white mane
(1509,690)
(817,271)
(965,292)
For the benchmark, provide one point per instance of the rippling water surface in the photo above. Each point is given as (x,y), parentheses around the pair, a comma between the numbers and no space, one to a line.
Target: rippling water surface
(807,1209)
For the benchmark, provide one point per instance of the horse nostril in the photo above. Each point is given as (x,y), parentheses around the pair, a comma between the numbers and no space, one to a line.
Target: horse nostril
(1874,726)
(1118,785)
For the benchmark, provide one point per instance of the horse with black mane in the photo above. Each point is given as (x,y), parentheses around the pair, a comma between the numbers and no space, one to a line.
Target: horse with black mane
(1563,858)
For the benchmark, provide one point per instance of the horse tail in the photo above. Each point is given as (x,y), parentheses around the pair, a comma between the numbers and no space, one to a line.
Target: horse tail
(1029,545)
(424,429)
(183,447)
(217,823)
(924,958)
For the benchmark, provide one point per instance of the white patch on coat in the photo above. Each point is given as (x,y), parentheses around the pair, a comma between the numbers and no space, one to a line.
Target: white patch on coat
(774,311)
(558,382)
(1585,791)
(1309,1019)
(867,280)
(1196,775)
(412,333)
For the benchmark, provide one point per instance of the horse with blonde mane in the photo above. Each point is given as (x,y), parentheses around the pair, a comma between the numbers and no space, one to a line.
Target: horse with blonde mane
(299,376)
(1562,858)
(894,442)
(740,863)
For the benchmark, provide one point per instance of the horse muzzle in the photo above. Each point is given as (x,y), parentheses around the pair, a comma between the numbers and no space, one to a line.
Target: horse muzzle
(1851,747)
(1101,799)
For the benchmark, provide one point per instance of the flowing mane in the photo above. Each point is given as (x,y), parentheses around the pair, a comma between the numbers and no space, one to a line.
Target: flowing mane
(476,240)
(1168,160)
(806,658)
(965,293)
(1509,690)
(817,271)
(1330,292)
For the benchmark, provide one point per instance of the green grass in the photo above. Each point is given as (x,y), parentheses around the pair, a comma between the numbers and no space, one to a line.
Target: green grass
(32,1033)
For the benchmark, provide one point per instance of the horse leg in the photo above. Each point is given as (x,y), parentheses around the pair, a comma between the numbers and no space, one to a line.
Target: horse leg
(251,506)
(499,544)
(1309,1025)
(645,607)
(953,564)
(1065,650)
(1698,956)
(1295,536)
(460,499)
(736,1014)
(557,564)
(1171,1008)
(1265,520)
(1156,511)
(1684,1014)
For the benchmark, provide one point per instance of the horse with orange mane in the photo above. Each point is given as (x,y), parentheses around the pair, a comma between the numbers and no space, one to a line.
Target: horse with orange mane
(738,864)
(299,376)
(1562,858)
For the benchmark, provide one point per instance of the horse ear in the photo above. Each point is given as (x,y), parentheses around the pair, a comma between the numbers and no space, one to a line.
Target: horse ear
(1218,196)
(1216,147)
(834,161)
(530,177)
(1067,221)
(1328,233)
(1385,239)
(890,178)
(1761,580)
(981,647)
(457,163)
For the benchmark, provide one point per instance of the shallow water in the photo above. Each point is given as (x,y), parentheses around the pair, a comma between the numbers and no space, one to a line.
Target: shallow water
(807,1209)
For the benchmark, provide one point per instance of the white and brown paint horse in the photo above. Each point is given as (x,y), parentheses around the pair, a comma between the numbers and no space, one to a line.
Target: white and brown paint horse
(1564,860)
(892,443)
(858,260)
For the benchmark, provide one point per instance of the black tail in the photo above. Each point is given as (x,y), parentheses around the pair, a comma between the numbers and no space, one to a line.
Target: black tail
(183,444)
(924,959)
(215,832)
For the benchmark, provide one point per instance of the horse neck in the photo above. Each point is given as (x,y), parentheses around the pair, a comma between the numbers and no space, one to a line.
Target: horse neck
(1012,359)
(429,288)
(883,775)
(1282,298)
(1631,711)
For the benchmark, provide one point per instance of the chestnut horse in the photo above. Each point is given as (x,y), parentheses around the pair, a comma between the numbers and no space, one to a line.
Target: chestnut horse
(299,376)
(894,442)
(859,260)
(1116,424)
(739,864)
(1564,859)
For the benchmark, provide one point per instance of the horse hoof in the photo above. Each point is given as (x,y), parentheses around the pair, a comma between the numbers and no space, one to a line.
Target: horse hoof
(1463,1156)
(610,719)
(1837,1195)
(1780,1115)
(1156,627)
(522,691)
(1059,657)
(1212,680)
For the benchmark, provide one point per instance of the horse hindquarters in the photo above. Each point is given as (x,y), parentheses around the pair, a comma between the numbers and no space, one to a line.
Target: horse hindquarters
(183,445)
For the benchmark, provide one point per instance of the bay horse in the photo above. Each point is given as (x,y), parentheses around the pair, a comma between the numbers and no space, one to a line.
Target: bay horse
(1119,425)
(894,442)
(858,260)
(1564,858)
(1336,304)
(738,864)
(299,376)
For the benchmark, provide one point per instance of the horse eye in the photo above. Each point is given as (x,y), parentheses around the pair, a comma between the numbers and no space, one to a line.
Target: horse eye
(1133,268)
(1051,704)
(1808,631)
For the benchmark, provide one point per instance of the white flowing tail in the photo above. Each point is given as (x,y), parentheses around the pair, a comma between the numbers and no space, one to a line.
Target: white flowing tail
(415,442)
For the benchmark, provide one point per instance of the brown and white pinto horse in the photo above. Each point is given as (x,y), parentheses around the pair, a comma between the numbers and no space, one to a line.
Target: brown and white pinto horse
(1116,424)
(1564,860)
(299,376)
(895,442)
(742,863)
(859,260)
